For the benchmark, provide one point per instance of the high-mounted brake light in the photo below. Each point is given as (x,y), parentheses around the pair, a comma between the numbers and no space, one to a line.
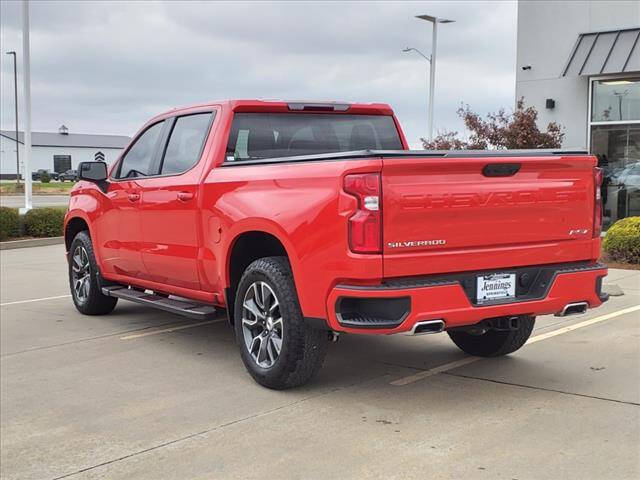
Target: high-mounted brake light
(365,226)
(318,107)
(597,208)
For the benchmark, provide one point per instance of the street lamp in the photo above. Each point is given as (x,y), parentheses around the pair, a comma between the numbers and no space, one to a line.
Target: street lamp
(428,59)
(26,83)
(15,96)
(409,49)
(432,60)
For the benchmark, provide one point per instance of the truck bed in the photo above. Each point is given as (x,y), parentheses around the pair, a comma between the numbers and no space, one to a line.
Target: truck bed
(447,211)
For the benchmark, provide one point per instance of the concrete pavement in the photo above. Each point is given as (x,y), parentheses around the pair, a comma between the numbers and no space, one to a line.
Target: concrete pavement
(17,201)
(119,396)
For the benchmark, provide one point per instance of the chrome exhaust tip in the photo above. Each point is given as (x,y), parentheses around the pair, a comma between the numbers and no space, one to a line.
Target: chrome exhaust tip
(573,309)
(427,327)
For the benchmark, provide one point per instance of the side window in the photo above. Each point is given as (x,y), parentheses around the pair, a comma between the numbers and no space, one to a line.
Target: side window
(137,161)
(186,142)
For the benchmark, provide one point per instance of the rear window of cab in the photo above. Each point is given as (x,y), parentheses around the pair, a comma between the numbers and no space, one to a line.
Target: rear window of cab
(257,136)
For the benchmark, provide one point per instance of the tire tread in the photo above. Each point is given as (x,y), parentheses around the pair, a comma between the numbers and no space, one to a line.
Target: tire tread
(306,347)
(97,304)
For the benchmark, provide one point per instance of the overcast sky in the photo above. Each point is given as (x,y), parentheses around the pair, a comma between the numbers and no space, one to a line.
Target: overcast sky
(106,67)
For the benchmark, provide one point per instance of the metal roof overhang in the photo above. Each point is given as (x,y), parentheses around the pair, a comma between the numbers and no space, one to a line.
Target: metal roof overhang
(608,52)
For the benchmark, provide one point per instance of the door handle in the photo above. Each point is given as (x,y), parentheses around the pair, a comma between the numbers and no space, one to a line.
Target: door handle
(184,196)
(134,197)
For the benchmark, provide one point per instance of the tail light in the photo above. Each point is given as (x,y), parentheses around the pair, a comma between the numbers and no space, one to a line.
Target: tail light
(365,226)
(597,209)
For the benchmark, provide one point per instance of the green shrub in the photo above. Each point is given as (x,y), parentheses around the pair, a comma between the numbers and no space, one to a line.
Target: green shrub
(622,242)
(9,223)
(45,177)
(44,222)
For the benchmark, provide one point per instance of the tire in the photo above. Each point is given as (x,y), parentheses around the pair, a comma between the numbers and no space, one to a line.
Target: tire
(83,278)
(494,343)
(301,348)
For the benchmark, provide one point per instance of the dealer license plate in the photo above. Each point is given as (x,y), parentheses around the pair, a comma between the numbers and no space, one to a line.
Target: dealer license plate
(496,286)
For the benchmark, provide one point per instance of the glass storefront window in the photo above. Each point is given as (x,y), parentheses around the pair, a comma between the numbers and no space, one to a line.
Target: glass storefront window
(615,100)
(618,150)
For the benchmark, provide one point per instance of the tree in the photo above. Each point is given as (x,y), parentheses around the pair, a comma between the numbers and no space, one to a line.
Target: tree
(500,130)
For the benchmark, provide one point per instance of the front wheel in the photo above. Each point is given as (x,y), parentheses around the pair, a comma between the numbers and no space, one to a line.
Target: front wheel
(83,278)
(278,349)
(494,343)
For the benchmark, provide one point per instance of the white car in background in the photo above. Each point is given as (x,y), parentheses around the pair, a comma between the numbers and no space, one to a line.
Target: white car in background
(629,176)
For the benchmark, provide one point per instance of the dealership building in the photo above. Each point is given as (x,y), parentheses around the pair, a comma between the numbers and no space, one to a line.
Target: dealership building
(57,152)
(578,63)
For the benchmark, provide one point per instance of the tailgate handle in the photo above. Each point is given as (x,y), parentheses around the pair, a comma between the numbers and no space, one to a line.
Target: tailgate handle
(500,169)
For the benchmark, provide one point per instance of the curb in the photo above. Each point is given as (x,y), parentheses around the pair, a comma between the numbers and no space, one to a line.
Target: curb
(31,242)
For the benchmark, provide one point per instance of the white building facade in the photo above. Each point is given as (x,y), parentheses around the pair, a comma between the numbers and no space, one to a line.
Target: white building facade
(58,152)
(578,63)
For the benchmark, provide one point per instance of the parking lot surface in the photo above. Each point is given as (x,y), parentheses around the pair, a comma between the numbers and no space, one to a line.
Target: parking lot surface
(16,201)
(145,394)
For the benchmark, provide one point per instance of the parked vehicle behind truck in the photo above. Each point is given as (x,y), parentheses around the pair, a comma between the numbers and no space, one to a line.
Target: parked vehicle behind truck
(69,175)
(38,174)
(307,220)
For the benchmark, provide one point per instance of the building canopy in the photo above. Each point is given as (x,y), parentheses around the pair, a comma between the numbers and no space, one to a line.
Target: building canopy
(598,53)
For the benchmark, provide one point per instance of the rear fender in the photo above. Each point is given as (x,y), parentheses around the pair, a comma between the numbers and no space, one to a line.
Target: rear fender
(257,225)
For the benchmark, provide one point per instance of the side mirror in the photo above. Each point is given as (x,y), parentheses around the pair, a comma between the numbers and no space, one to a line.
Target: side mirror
(92,171)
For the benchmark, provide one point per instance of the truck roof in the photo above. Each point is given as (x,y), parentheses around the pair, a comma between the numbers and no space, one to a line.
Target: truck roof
(281,106)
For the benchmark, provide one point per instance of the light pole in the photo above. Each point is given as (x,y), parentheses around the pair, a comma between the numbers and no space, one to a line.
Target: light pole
(432,60)
(26,78)
(15,96)
(620,96)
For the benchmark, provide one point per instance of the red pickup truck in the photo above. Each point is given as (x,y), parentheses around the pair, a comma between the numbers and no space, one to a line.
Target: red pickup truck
(305,220)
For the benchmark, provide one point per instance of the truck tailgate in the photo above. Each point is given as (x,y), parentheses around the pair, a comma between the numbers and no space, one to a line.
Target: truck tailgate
(464,213)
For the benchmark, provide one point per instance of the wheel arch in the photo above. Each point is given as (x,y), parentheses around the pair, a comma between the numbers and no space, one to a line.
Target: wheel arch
(74,224)
(245,248)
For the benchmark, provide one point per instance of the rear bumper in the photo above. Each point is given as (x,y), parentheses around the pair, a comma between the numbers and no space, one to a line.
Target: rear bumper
(404,302)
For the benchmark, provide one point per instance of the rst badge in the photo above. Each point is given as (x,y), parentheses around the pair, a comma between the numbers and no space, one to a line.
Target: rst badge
(416,243)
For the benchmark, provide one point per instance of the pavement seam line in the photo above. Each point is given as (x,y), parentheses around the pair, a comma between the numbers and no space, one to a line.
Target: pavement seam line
(216,428)
(533,387)
(543,336)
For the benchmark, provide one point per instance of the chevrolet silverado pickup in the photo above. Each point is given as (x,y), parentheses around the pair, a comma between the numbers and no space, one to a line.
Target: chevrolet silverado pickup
(307,220)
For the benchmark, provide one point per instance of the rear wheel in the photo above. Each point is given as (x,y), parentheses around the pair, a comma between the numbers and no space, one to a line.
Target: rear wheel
(278,349)
(494,343)
(83,278)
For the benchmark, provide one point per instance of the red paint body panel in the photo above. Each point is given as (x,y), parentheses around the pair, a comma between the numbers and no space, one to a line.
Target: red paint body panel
(175,234)
(530,214)
(302,205)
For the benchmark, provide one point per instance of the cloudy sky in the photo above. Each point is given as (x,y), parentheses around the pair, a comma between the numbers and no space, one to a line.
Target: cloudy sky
(106,67)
